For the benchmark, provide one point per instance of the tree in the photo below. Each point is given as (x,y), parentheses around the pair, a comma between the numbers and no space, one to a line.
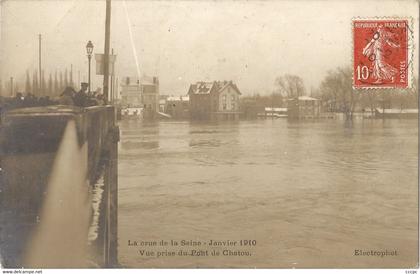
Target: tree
(28,86)
(71,77)
(35,83)
(66,81)
(56,87)
(43,84)
(61,81)
(370,99)
(337,91)
(414,94)
(50,86)
(290,86)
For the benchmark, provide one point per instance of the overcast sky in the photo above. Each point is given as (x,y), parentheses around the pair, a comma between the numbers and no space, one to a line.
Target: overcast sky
(181,42)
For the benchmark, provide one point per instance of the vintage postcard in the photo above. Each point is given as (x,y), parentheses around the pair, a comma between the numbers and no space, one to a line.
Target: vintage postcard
(209,134)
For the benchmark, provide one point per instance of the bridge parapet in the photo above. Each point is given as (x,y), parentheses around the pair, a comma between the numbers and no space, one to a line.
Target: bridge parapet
(30,139)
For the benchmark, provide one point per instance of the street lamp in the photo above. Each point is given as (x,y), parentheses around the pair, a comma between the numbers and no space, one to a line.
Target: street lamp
(89,50)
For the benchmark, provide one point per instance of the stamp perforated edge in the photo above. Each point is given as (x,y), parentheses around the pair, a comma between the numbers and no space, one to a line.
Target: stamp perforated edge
(410,49)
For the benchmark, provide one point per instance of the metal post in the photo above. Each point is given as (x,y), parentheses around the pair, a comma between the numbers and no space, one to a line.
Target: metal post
(89,57)
(116,91)
(39,65)
(106,51)
(112,82)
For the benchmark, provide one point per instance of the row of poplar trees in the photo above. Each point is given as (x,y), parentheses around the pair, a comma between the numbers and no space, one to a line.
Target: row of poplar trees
(52,87)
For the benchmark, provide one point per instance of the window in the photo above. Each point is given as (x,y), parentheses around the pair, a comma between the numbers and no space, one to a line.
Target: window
(224,106)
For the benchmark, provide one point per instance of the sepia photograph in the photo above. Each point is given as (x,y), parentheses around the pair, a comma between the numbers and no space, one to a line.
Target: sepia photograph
(211,134)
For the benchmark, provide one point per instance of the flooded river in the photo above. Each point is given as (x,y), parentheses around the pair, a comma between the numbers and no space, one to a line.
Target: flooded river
(309,193)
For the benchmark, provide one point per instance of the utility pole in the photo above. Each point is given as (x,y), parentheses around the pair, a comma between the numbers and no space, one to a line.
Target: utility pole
(112,81)
(116,90)
(106,51)
(39,67)
(110,254)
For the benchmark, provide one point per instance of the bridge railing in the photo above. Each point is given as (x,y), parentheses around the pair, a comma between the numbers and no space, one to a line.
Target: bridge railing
(29,141)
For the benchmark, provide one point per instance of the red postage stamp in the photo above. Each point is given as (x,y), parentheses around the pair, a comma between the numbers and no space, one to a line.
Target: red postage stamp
(381,53)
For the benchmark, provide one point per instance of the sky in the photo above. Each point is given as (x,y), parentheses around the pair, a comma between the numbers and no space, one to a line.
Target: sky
(182,42)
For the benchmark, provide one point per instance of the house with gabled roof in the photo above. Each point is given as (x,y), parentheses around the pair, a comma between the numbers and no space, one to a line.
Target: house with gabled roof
(303,107)
(218,100)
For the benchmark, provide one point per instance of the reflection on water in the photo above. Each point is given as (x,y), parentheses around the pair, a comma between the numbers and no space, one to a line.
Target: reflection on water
(310,193)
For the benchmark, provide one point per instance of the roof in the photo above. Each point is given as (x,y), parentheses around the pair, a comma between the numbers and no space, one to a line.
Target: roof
(208,87)
(178,98)
(306,98)
(275,109)
(143,80)
(397,110)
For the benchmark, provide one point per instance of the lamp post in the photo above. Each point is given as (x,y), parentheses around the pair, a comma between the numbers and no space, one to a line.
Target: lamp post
(89,50)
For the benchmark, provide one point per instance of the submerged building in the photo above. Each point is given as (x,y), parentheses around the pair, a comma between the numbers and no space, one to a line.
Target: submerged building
(303,107)
(178,107)
(141,92)
(218,100)
(131,92)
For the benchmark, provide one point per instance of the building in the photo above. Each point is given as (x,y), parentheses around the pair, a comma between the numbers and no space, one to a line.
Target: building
(303,107)
(162,102)
(218,100)
(178,107)
(272,112)
(131,92)
(143,92)
(150,93)
(396,113)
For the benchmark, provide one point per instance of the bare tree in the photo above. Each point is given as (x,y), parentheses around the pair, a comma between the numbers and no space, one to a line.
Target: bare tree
(66,81)
(412,95)
(415,93)
(290,86)
(28,87)
(43,84)
(372,98)
(50,86)
(61,81)
(337,91)
(35,83)
(56,85)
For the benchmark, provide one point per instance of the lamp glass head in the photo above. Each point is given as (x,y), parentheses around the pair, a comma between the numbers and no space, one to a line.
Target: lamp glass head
(89,48)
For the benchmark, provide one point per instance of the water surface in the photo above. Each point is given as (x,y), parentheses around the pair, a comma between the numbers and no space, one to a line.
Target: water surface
(309,193)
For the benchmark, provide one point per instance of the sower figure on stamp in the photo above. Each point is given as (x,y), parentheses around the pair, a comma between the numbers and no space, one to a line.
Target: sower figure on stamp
(375,51)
